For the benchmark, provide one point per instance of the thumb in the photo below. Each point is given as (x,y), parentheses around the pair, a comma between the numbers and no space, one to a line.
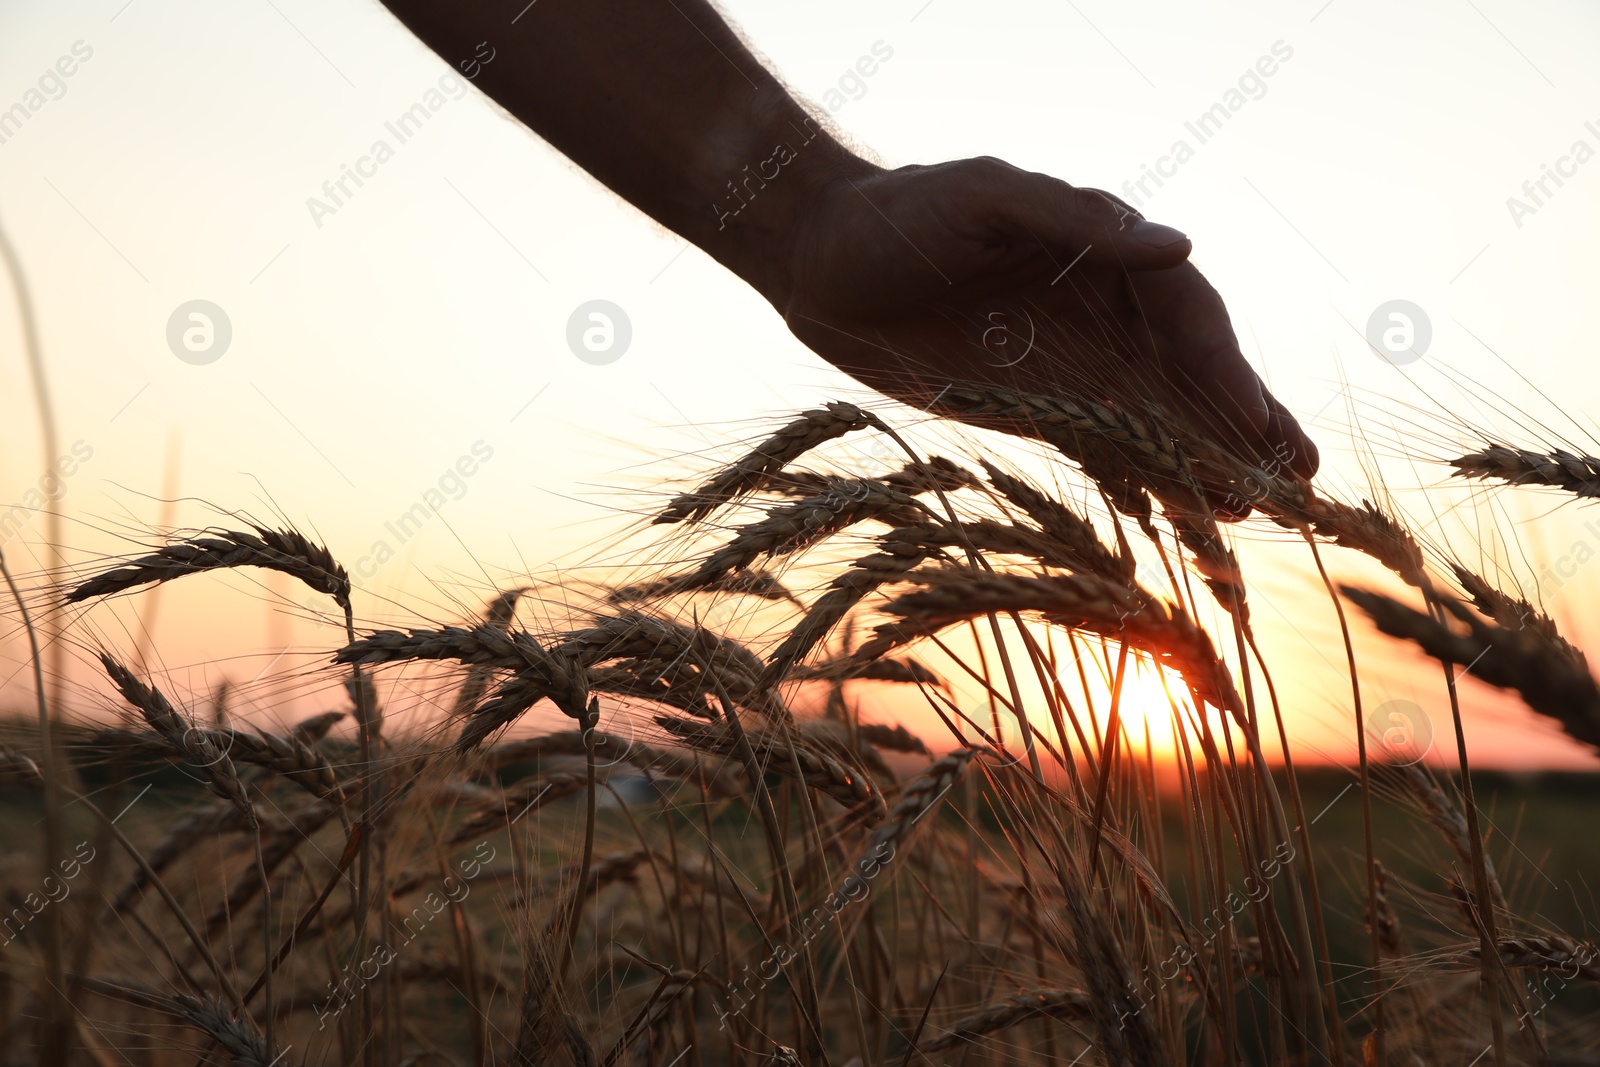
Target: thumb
(1089,222)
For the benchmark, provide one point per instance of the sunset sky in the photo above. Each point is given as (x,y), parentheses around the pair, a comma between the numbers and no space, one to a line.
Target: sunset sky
(411,344)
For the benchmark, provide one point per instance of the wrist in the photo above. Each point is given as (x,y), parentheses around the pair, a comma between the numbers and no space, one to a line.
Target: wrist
(763,191)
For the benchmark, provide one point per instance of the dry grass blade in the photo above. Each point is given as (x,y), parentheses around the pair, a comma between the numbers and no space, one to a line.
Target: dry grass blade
(758,468)
(287,551)
(1068,1005)
(1579,475)
(1546,674)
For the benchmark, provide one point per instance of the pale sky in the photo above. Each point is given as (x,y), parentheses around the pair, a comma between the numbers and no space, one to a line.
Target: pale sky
(374,347)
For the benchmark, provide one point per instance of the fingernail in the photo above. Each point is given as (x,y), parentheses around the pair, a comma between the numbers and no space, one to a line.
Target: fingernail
(1156,235)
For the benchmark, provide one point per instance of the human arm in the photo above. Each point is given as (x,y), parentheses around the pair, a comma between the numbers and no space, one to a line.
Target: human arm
(893,275)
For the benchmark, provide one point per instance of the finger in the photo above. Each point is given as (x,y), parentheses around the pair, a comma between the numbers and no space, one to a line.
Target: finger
(1289,441)
(1199,353)
(1084,222)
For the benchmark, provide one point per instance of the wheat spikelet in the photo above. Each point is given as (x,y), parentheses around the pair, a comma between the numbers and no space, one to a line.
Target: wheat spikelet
(1369,530)
(616,867)
(244,1044)
(1218,566)
(1381,912)
(905,670)
(792,528)
(891,738)
(314,728)
(757,469)
(898,552)
(639,635)
(1074,534)
(850,786)
(196,746)
(756,583)
(1515,613)
(287,551)
(1579,475)
(191,829)
(1545,673)
(1451,824)
(1079,601)
(935,474)
(511,805)
(496,616)
(1549,952)
(919,797)
(274,851)
(538,673)
(721,778)
(1068,1005)
(283,754)
(18,769)
(1152,451)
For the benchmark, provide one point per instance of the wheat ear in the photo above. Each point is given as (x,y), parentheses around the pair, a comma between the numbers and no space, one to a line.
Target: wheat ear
(287,551)
(1551,680)
(759,468)
(1560,469)
(1068,1005)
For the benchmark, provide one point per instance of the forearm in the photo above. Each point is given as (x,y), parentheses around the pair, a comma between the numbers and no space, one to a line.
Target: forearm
(659,100)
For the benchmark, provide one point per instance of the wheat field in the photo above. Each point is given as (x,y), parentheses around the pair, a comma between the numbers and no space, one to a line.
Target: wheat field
(657,821)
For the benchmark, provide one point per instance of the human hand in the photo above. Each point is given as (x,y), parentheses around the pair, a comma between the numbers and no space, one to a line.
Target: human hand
(978,273)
